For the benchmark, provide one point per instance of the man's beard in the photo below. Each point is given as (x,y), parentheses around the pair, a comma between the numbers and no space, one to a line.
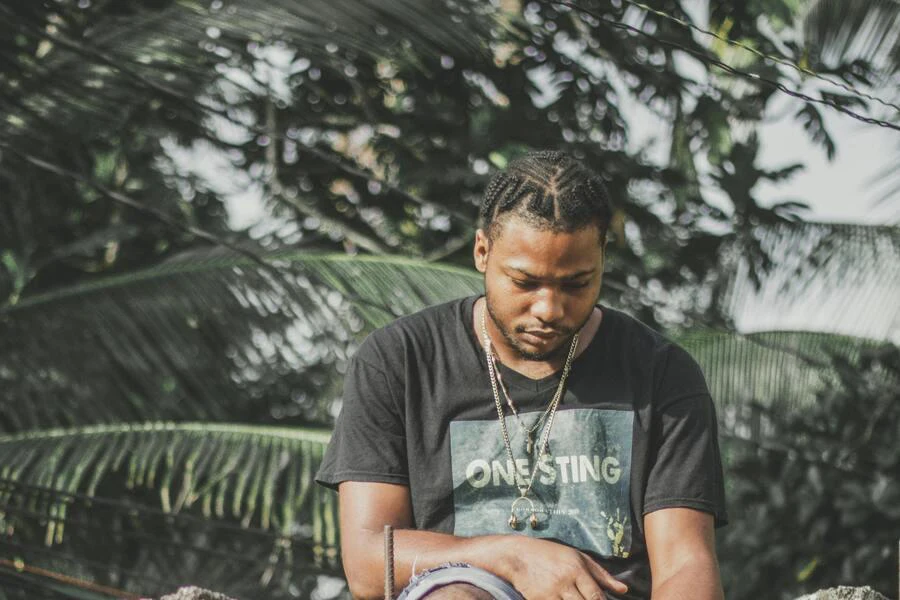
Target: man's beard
(516,345)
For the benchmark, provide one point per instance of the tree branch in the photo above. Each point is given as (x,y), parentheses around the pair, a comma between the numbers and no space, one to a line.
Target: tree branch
(124,200)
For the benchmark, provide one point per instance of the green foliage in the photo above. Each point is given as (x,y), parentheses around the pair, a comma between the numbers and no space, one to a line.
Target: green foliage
(115,369)
(774,270)
(209,337)
(781,370)
(840,31)
(61,481)
(815,502)
(221,468)
(360,124)
(363,126)
(856,40)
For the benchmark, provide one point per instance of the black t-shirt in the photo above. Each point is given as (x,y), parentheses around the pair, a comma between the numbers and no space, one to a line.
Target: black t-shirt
(635,432)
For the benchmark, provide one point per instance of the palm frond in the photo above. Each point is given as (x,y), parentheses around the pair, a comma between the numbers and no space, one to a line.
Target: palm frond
(830,278)
(781,370)
(86,64)
(225,506)
(886,183)
(214,337)
(859,33)
(259,476)
(840,31)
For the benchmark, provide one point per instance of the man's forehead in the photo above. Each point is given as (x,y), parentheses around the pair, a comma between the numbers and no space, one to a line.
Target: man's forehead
(548,255)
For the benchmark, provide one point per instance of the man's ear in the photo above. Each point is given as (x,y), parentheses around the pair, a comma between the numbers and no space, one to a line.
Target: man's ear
(481,250)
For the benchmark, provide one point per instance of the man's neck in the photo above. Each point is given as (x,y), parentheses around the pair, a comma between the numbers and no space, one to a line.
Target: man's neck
(537,369)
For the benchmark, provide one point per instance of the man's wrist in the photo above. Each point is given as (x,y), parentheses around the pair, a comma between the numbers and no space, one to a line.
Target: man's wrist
(498,554)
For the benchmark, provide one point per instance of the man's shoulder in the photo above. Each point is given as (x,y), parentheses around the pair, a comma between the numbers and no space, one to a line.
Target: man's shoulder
(626,329)
(651,351)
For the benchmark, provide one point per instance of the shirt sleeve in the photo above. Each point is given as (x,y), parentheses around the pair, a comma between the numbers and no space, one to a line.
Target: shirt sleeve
(685,461)
(369,441)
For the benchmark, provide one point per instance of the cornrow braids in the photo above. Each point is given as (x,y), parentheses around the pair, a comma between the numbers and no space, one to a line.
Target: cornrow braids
(550,190)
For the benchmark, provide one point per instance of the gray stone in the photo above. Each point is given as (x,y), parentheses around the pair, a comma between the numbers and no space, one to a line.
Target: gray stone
(195,593)
(845,593)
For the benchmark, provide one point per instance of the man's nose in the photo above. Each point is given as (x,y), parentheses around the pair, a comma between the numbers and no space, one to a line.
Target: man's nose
(548,307)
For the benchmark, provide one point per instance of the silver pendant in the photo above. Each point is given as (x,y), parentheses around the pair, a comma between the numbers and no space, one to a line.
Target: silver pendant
(514,520)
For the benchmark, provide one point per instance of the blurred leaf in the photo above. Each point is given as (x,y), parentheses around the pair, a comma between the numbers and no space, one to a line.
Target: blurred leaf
(775,270)
(213,337)
(189,465)
(841,30)
(805,573)
(823,461)
(811,119)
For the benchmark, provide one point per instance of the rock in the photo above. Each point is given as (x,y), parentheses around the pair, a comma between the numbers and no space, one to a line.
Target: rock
(195,593)
(845,593)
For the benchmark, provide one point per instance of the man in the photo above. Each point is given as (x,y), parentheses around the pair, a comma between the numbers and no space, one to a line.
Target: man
(547,442)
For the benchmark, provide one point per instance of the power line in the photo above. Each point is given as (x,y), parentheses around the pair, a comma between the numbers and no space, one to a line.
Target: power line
(729,69)
(763,55)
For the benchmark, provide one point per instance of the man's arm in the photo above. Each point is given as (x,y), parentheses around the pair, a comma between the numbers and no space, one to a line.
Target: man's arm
(681,545)
(537,568)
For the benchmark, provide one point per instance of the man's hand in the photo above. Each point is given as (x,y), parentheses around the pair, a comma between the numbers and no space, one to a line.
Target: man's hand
(539,569)
(544,569)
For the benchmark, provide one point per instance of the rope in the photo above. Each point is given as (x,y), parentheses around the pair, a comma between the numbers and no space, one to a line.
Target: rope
(388,562)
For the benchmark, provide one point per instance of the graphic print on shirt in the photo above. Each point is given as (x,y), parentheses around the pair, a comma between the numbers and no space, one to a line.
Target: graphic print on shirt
(580,493)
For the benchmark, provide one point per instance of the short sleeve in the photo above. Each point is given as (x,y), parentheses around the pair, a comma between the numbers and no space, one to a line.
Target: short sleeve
(368,442)
(685,462)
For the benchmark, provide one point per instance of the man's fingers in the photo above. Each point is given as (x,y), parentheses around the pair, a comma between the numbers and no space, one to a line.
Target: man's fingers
(589,589)
(606,580)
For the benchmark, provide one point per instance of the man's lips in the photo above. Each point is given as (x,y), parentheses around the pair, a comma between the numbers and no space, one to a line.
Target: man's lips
(544,335)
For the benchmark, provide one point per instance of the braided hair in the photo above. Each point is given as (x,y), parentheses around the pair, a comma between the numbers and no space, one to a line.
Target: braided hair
(548,189)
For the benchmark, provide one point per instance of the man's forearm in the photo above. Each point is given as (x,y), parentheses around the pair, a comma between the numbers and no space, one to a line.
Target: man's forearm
(421,550)
(693,582)
(682,549)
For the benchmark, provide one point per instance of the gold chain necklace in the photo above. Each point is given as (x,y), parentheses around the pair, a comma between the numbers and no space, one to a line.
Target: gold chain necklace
(524,487)
(528,431)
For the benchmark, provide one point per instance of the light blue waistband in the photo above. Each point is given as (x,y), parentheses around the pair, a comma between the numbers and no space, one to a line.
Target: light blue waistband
(421,585)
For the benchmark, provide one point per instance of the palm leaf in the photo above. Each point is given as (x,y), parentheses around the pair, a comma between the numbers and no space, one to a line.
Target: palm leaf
(840,31)
(88,66)
(214,338)
(220,469)
(857,33)
(849,273)
(216,487)
(781,370)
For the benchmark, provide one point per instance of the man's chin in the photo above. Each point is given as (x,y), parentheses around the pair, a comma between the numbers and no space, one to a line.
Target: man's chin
(539,350)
